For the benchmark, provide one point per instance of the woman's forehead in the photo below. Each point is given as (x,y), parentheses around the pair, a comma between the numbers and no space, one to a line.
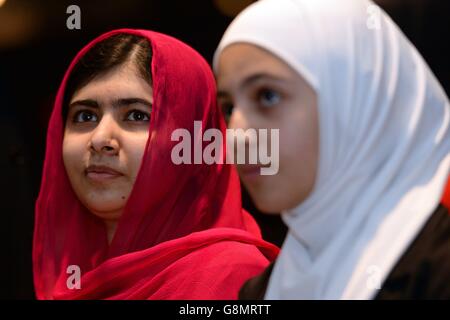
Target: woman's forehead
(114,85)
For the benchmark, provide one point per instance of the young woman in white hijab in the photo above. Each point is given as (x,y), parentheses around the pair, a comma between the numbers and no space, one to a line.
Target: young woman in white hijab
(364,149)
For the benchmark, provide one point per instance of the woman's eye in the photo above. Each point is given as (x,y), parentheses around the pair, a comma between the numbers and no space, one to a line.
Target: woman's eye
(85,116)
(268,98)
(137,115)
(227,110)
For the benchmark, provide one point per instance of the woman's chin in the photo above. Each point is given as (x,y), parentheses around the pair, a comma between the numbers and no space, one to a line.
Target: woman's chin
(275,200)
(107,215)
(267,204)
(106,208)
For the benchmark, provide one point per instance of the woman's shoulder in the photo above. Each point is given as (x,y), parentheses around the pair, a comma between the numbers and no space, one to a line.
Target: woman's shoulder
(234,253)
(214,271)
(227,244)
(423,272)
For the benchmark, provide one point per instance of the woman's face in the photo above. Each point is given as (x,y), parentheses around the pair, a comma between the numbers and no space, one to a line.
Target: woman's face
(258,90)
(104,140)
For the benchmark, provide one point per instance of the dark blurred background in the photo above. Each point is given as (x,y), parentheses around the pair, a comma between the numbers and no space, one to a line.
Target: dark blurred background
(36,47)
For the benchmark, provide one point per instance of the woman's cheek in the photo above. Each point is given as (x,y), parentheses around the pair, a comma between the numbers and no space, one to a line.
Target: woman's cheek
(74,151)
(134,150)
(69,153)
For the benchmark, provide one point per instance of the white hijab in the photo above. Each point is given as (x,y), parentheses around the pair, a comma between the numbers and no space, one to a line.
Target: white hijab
(384,143)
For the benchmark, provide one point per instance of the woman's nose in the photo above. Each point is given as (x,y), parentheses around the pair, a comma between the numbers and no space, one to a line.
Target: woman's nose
(244,134)
(239,120)
(104,140)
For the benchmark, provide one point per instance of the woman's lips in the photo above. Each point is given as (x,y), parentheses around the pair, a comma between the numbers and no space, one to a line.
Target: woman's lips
(101,173)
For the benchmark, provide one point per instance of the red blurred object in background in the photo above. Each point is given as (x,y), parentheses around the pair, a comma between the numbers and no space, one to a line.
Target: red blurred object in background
(446,197)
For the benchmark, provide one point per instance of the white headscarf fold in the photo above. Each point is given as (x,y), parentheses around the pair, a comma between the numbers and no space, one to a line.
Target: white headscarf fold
(384,143)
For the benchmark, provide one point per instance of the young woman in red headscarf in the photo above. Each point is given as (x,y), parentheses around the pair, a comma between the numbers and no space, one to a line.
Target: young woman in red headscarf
(115,217)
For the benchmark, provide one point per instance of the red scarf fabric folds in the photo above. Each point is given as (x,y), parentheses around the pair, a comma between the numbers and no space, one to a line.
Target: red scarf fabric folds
(183,233)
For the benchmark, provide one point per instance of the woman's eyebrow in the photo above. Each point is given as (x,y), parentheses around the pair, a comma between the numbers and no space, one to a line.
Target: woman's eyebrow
(261,76)
(85,102)
(123,102)
(254,78)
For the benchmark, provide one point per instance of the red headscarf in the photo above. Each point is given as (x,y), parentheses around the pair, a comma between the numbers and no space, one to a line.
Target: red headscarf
(183,233)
